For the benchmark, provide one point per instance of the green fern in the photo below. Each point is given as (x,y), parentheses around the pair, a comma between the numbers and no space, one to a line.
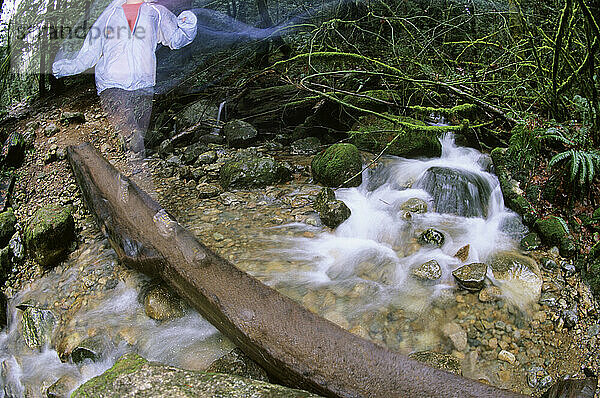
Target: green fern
(581,163)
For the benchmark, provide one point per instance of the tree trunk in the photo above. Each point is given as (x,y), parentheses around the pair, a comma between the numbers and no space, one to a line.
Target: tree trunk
(294,345)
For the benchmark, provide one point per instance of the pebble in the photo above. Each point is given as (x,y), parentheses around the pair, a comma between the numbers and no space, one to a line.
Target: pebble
(507,356)
(490,294)
(456,334)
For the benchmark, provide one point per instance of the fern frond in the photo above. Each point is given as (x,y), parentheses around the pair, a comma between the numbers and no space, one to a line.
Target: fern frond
(559,157)
(575,159)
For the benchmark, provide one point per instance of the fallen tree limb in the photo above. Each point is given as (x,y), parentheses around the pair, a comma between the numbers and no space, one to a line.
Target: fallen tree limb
(295,346)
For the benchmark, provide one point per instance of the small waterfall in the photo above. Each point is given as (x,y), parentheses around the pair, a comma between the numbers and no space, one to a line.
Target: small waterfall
(221,116)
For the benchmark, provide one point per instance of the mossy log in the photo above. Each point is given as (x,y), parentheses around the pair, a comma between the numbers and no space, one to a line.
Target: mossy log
(295,346)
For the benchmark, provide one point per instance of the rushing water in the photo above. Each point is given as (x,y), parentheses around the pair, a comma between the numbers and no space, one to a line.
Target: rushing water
(358,275)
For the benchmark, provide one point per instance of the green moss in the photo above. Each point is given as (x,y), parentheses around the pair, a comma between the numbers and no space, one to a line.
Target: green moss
(415,139)
(127,364)
(335,165)
(248,170)
(554,231)
(49,233)
(372,100)
(7,226)
(592,276)
(458,110)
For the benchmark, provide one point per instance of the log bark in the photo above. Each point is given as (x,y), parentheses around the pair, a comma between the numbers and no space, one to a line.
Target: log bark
(295,346)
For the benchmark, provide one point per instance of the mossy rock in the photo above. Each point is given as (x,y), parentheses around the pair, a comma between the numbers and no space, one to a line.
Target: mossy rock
(240,134)
(554,231)
(5,263)
(592,276)
(249,170)
(7,226)
(37,326)
(132,376)
(331,211)
(374,134)
(239,364)
(337,164)
(513,197)
(13,150)
(49,234)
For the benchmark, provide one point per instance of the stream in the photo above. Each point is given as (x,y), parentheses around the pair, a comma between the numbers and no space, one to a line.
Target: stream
(366,276)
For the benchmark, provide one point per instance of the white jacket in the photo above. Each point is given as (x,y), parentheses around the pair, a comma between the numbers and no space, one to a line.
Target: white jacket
(124,59)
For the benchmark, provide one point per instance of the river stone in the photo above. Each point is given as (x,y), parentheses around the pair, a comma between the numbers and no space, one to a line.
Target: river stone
(455,191)
(7,226)
(239,364)
(490,294)
(336,164)
(247,169)
(507,356)
(7,182)
(191,153)
(37,326)
(195,113)
(471,276)
(72,117)
(50,130)
(5,263)
(521,272)
(306,146)
(239,134)
(414,205)
(431,237)
(531,241)
(91,349)
(205,190)
(207,157)
(13,150)
(463,253)
(456,334)
(133,376)
(49,234)
(62,387)
(430,271)
(332,212)
(160,304)
(3,310)
(438,360)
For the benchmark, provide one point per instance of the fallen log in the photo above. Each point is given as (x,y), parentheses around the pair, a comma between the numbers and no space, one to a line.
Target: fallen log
(295,346)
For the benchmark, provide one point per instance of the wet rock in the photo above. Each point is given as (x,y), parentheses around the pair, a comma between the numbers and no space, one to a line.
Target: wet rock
(570,317)
(335,165)
(6,185)
(191,153)
(568,268)
(306,146)
(571,388)
(250,170)
(206,191)
(239,364)
(455,191)
(207,157)
(13,150)
(166,148)
(463,253)
(430,271)
(374,134)
(534,375)
(240,134)
(414,205)
(7,226)
(519,273)
(132,376)
(195,113)
(438,360)
(549,264)
(160,304)
(62,387)
(37,326)
(531,241)
(456,334)
(68,118)
(490,294)
(471,276)
(507,356)
(431,237)
(51,155)
(332,212)
(3,310)
(49,234)
(549,298)
(50,130)
(554,231)
(90,349)
(5,263)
